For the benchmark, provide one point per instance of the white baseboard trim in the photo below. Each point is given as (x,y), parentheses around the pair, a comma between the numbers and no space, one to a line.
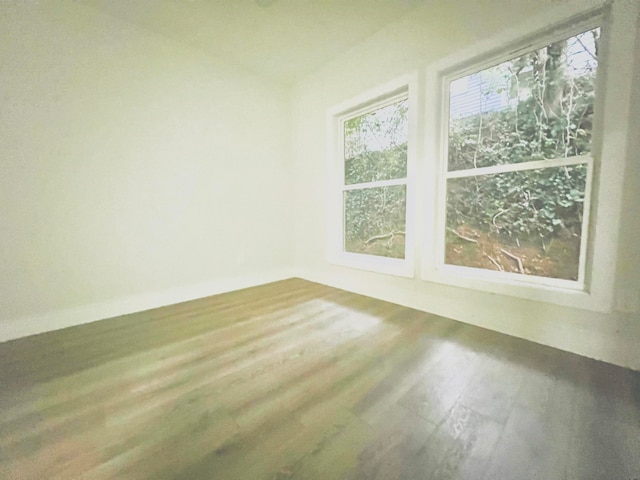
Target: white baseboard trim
(56,320)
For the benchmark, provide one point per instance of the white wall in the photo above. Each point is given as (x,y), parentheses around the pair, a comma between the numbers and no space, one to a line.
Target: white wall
(415,45)
(133,172)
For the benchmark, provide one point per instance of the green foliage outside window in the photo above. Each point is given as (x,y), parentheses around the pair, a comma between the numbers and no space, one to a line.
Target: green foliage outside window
(375,149)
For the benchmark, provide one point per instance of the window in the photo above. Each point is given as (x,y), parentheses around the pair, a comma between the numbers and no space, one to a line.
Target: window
(371,175)
(518,163)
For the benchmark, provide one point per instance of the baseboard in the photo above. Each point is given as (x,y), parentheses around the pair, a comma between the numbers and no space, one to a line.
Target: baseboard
(56,320)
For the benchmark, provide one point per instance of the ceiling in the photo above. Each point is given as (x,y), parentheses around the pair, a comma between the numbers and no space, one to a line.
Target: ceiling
(284,40)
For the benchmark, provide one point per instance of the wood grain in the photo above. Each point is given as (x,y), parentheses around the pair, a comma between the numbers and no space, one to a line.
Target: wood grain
(298,380)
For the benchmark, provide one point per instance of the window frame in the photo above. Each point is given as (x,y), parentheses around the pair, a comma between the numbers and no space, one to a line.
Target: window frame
(402,88)
(567,292)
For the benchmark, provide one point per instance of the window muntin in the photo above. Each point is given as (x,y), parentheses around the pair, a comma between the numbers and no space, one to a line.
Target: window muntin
(518,162)
(374,187)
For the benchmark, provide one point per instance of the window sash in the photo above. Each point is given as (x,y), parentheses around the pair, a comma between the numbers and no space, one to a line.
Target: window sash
(532,280)
(370,107)
(522,279)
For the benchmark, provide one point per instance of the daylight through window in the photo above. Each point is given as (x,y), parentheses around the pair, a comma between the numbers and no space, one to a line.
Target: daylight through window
(374,190)
(519,164)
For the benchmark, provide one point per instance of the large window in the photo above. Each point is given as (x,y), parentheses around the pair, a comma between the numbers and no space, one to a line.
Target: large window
(518,162)
(374,180)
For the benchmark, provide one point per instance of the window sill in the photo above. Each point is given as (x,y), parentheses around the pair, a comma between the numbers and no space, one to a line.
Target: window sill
(558,292)
(373,263)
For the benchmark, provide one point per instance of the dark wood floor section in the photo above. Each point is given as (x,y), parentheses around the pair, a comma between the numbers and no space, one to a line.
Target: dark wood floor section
(295,380)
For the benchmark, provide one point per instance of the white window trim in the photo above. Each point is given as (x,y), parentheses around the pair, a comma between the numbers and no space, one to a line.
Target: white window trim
(588,292)
(404,87)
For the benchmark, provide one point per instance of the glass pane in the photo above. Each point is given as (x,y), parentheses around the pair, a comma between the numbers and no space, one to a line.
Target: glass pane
(533,107)
(526,222)
(374,221)
(375,145)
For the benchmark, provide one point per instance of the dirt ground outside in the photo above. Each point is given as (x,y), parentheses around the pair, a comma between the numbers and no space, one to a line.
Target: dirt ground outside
(472,247)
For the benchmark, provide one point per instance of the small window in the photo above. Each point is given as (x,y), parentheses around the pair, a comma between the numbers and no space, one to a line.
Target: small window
(374,184)
(519,164)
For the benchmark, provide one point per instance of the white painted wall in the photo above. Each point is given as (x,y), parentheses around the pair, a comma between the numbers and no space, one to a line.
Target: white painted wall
(416,45)
(133,172)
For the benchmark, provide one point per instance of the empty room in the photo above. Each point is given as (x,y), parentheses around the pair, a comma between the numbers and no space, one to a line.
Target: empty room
(320,239)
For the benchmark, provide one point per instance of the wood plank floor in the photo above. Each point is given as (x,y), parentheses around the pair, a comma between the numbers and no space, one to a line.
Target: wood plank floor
(295,380)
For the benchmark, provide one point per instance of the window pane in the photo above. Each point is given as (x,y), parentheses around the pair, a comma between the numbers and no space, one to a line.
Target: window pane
(375,145)
(527,222)
(533,107)
(375,221)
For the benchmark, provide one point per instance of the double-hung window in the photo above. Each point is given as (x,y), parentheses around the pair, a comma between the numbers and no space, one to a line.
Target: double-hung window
(372,171)
(516,179)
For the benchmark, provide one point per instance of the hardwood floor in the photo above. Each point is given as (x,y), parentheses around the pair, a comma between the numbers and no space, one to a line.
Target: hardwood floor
(295,380)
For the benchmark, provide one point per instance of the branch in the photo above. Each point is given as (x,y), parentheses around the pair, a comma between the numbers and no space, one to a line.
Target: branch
(497,215)
(586,49)
(495,262)
(462,236)
(567,145)
(584,112)
(479,139)
(515,75)
(382,237)
(517,259)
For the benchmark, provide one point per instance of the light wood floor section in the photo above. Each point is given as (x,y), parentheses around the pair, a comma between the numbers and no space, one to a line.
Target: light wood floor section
(295,380)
